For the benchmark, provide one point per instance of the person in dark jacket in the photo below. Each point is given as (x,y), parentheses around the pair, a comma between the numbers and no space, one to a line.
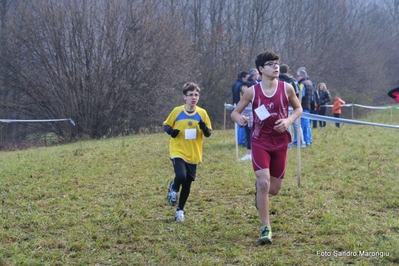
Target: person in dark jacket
(325,97)
(236,88)
(315,105)
(287,77)
(247,113)
(306,87)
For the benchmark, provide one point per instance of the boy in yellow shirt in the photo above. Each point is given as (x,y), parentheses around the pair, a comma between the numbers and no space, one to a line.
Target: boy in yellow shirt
(186,124)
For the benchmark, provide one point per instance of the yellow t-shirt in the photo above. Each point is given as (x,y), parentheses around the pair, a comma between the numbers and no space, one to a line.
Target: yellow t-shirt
(188,143)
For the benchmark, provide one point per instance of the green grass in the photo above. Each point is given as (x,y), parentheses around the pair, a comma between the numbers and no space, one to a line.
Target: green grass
(104,203)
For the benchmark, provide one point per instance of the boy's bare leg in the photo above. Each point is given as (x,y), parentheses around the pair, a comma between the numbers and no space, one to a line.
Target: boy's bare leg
(265,185)
(262,195)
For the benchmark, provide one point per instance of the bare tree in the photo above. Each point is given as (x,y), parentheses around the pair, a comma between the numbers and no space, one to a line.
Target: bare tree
(97,62)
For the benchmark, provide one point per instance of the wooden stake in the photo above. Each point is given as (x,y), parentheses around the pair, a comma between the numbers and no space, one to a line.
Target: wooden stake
(224,135)
(298,145)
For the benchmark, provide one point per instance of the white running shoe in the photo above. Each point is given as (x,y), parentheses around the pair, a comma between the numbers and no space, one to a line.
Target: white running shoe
(246,157)
(179,216)
(172,195)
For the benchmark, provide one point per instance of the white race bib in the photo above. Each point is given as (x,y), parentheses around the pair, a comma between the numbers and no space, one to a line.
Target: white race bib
(262,112)
(190,133)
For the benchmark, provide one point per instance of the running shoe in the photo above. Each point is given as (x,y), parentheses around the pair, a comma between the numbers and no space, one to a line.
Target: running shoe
(246,157)
(179,216)
(172,195)
(265,235)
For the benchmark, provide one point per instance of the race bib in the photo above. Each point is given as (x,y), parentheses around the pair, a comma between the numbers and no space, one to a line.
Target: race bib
(190,133)
(262,112)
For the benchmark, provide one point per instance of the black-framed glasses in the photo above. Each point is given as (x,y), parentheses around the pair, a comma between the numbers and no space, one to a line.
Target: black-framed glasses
(272,64)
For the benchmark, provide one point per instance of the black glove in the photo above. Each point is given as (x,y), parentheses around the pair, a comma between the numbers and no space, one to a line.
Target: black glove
(202,126)
(174,133)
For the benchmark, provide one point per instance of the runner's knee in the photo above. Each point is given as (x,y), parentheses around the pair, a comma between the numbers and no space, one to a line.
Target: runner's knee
(263,185)
(275,188)
(274,191)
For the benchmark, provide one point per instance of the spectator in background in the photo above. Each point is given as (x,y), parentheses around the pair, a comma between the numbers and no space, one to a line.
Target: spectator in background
(236,88)
(247,113)
(314,100)
(285,76)
(253,76)
(306,87)
(253,79)
(324,95)
(315,105)
(338,102)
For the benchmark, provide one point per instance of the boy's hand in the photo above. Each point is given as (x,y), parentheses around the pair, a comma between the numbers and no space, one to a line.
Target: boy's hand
(202,125)
(174,133)
(204,129)
(281,125)
(243,120)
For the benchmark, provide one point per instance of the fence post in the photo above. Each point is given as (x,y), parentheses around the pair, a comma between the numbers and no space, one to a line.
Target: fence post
(224,127)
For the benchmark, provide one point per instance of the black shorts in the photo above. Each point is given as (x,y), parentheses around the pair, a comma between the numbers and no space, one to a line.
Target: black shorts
(182,168)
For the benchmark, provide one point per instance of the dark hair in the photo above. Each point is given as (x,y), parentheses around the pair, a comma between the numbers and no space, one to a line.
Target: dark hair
(190,86)
(262,58)
(242,74)
(246,83)
(284,68)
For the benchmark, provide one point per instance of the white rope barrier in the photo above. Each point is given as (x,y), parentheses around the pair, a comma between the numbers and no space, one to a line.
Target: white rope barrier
(363,106)
(36,121)
(343,120)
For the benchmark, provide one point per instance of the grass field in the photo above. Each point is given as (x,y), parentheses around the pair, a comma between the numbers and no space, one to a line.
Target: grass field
(104,203)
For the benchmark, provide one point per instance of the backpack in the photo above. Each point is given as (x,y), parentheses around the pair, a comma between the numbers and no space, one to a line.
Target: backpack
(304,93)
(295,84)
(290,80)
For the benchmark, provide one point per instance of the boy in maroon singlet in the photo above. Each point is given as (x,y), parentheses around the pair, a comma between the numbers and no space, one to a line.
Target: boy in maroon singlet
(269,135)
